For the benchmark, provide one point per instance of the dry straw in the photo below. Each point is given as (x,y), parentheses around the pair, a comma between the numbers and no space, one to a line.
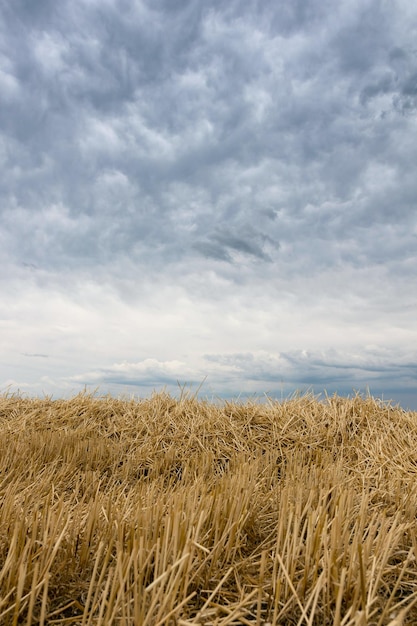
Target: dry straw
(164,511)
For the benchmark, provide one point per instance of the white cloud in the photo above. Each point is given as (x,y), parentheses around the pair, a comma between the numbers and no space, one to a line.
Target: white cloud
(50,50)
(9,86)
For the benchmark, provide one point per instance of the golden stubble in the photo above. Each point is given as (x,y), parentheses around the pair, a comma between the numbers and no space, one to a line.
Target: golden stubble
(163,511)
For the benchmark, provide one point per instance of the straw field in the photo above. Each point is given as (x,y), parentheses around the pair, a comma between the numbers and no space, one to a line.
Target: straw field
(179,512)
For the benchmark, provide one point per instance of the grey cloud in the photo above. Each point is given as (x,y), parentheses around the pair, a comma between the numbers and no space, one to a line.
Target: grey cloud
(277,374)
(381,86)
(410,85)
(218,147)
(213,250)
(359,44)
(162,85)
(395,78)
(332,370)
(246,246)
(247,241)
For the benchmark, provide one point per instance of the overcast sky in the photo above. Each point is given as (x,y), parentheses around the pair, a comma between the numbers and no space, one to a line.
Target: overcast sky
(201,190)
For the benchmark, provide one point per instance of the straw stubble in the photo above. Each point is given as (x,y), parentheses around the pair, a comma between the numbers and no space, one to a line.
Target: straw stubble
(164,511)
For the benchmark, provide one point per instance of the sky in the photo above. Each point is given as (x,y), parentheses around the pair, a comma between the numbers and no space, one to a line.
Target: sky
(200,192)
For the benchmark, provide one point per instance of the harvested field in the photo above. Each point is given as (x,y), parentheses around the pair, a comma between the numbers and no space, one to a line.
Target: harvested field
(163,511)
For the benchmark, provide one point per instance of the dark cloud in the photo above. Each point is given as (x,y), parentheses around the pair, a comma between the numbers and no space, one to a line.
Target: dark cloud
(247,241)
(213,250)
(331,370)
(112,91)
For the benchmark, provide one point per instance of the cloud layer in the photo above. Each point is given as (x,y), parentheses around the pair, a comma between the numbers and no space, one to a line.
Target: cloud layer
(196,190)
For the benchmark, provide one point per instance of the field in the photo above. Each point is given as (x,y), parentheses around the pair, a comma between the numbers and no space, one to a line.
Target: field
(162,511)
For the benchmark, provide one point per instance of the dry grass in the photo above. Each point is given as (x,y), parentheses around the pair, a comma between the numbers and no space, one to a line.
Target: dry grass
(182,512)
